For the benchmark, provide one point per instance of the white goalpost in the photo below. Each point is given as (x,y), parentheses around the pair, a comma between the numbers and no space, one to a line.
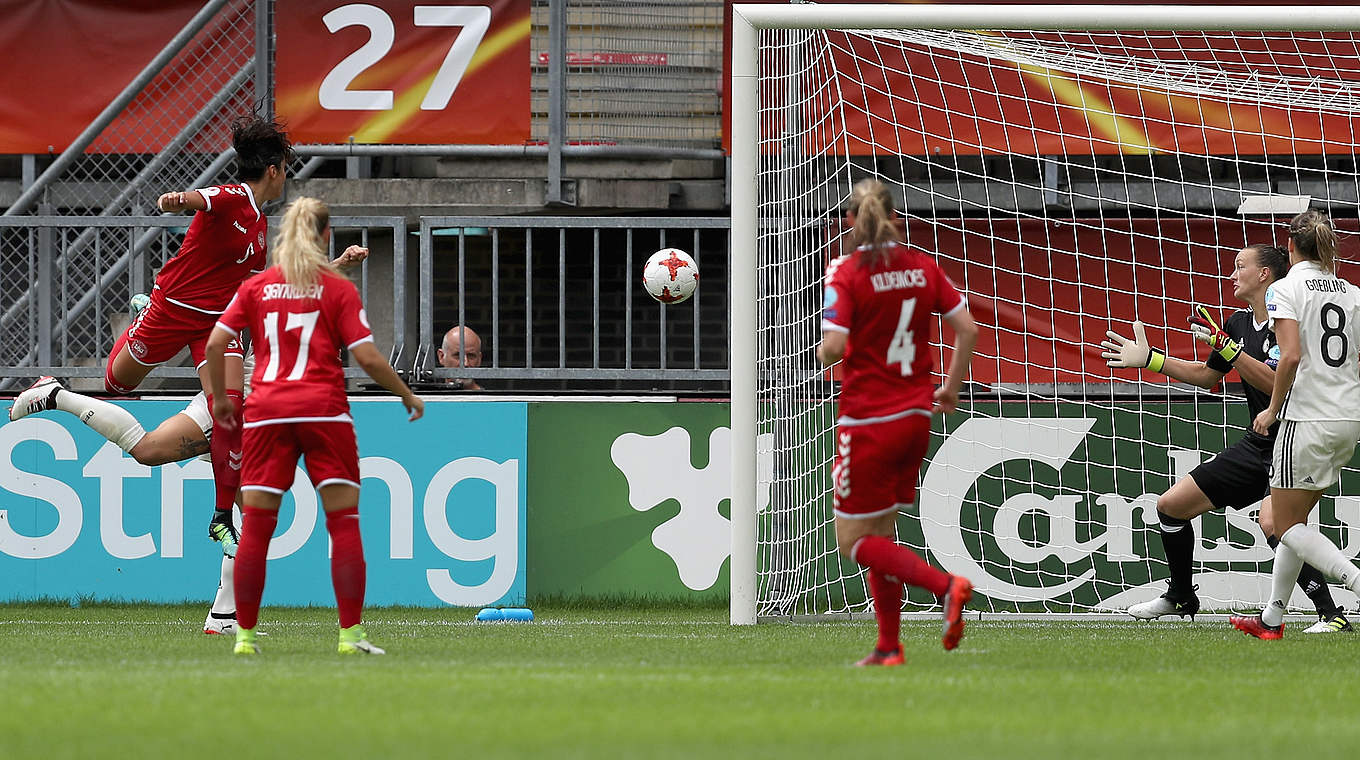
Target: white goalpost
(1073,168)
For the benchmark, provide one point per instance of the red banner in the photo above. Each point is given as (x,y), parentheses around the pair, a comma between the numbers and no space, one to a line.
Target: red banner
(965,104)
(66,60)
(402,71)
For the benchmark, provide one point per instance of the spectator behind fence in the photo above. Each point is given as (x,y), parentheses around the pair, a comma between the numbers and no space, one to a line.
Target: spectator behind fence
(470,355)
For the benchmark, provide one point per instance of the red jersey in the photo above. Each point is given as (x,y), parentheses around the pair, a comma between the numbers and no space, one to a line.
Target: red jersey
(298,333)
(225,244)
(887,310)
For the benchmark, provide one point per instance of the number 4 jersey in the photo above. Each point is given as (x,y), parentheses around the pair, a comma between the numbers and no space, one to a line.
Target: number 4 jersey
(887,309)
(298,332)
(1327,309)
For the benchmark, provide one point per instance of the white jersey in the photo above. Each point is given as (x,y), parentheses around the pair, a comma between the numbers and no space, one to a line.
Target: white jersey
(1327,308)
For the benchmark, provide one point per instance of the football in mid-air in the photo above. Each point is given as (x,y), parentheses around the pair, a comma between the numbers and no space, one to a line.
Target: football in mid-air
(670,275)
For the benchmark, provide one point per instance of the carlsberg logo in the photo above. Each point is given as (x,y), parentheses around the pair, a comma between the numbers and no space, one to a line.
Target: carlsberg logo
(981,444)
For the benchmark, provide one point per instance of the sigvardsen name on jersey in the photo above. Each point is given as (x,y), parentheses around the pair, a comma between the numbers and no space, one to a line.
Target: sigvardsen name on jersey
(898,279)
(288,290)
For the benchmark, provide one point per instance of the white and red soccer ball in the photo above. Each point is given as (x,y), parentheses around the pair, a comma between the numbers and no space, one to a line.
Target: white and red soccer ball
(670,275)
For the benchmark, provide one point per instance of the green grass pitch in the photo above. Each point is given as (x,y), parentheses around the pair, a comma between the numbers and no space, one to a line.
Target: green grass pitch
(141,681)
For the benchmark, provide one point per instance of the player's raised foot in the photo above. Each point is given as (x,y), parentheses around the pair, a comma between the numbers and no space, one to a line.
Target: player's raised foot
(354,640)
(38,398)
(245,641)
(137,303)
(222,530)
(1252,625)
(1169,603)
(960,591)
(1335,623)
(879,657)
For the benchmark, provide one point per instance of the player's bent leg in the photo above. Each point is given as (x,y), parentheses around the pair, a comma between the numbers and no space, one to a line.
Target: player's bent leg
(113,422)
(176,439)
(124,373)
(1183,502)
(1331,618)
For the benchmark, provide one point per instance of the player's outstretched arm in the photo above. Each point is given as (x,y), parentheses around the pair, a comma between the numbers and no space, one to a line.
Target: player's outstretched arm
(1122,353)
(183,200)
(375,364)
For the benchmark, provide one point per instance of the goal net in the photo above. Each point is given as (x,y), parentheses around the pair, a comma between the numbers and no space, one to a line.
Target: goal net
(1070,181)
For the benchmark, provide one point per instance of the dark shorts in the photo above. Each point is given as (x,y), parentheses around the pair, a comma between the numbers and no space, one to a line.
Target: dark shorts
(1240,475)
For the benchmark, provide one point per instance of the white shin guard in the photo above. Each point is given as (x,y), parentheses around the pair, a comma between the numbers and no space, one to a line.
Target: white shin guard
(111,421)
(1316,550)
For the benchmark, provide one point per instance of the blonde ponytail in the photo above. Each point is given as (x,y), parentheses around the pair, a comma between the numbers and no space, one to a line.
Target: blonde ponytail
(1315,238)
(872,205)
(300,250)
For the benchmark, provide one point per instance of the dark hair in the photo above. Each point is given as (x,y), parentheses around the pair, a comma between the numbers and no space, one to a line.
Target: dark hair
(259,144)
(1315,238)
(1272,257)
(872,205)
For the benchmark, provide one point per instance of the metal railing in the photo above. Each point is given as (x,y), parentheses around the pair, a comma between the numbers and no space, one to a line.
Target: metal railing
(75,276)
(555,299)
(560,299)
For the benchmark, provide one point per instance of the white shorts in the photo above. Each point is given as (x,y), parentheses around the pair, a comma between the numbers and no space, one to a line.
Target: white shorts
(1309,454)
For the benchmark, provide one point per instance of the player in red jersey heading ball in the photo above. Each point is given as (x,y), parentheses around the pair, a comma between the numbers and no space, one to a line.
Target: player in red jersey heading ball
(880,301)
(301,313)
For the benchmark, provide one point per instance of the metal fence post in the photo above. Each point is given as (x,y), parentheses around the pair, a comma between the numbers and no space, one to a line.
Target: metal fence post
(557,98)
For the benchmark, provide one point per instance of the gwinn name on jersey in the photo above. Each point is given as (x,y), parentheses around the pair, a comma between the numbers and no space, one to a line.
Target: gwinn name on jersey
(1327,309)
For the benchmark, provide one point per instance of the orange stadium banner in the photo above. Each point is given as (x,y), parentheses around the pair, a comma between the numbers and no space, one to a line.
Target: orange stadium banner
(398,71)
(963,104)
(63,67)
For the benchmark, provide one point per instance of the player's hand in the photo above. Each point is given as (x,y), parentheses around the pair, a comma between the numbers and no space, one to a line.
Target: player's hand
(1264,421)
(1120,352)
(224,412)
(171,203)
(1203,327)
(414,405)
(352,257)
(946,401)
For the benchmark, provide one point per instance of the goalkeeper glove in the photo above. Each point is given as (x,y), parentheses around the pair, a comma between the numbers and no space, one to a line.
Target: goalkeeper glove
(1121,352)
(222,530)
(1203,327)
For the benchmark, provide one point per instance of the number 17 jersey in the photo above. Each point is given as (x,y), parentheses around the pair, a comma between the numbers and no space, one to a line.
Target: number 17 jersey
(887,309)
(298,332)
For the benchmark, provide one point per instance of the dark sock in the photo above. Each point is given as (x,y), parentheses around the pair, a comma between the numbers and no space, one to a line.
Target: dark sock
(1178,541)
(1314,585)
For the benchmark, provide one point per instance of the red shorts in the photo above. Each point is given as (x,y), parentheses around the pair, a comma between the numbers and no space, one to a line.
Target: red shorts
(876,465)
(271,452)
(163,329)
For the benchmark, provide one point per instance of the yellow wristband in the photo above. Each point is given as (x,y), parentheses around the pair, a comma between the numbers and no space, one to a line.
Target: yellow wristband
(1155,360)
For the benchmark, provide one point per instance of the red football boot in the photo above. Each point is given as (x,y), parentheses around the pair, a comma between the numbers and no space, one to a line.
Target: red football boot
(1253,626)
(960,591)
(876,657)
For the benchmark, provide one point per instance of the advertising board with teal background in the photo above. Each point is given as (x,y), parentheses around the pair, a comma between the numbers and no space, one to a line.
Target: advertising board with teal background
(443,512)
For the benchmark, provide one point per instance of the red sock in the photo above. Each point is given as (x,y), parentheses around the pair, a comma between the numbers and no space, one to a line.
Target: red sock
(226,452)
(348,571)
(257,528)
(887,557)
(887,593)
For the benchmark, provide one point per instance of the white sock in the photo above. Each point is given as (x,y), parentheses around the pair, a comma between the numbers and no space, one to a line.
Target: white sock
(113,422)
(1317,551)
(1282,577)
(225,603)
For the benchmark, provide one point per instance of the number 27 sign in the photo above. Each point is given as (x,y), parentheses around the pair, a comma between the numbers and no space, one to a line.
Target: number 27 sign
(403,71)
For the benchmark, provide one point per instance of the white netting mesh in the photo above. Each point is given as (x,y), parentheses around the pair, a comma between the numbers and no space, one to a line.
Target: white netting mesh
(1069,183)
